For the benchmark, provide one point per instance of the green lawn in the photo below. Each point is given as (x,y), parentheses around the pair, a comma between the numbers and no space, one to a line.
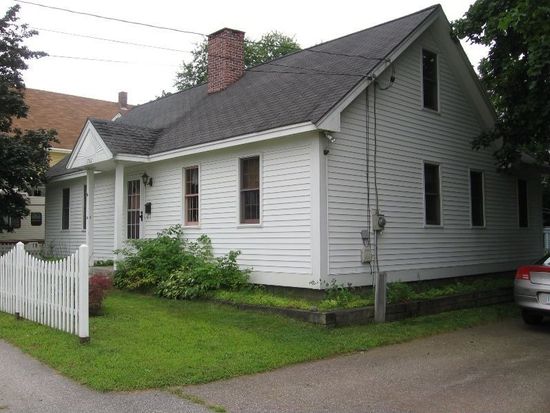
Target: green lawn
(144,342)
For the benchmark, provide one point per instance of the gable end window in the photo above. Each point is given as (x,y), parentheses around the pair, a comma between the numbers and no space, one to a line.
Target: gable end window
(66,201)
(432,195)
(250,190)
(429,80)
(191,195)
(477,199)
(523,211)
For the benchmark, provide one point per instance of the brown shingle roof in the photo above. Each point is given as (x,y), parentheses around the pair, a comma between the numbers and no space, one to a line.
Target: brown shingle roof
(65,113)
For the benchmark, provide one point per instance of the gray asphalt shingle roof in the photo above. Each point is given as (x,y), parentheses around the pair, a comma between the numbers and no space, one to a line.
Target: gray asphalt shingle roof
(300,87)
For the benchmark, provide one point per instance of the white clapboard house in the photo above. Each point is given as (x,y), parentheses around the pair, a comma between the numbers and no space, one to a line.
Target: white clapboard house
(287,161)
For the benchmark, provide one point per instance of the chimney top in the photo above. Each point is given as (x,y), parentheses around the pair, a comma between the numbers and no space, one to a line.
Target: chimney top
(123,100)
(225,58)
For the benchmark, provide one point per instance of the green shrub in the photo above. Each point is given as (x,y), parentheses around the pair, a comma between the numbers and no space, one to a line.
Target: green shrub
(148,261)
(174,267)
(196,279)
(399,292)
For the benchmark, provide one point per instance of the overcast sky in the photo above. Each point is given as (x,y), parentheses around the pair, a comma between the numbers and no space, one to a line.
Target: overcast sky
(149,71)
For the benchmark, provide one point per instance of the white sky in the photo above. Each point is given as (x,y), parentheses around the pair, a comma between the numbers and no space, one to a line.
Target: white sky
(152,70)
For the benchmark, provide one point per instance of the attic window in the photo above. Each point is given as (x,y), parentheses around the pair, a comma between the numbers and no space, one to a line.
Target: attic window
(429,80)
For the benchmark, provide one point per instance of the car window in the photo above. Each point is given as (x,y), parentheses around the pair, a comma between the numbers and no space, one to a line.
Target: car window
(544,260)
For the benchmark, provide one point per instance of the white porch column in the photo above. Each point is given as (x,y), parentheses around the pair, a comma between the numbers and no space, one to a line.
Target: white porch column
(90,189)
(119,207)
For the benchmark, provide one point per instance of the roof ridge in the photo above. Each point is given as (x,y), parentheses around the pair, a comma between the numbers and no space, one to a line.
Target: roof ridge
(435,6)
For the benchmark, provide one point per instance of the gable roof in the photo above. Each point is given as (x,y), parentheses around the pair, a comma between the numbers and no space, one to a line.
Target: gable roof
(300,87)
(64,113)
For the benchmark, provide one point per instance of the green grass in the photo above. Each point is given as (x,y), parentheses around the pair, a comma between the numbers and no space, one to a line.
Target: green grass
(342,298)
(146,342)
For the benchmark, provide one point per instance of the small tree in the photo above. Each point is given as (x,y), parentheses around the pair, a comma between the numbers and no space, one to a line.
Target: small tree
(270,46)
(23,155)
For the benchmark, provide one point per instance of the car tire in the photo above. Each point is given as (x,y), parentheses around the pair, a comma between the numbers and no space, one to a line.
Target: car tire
(532,318)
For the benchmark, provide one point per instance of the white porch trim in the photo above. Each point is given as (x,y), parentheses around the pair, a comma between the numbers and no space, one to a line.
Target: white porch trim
(90,189)
(119,207)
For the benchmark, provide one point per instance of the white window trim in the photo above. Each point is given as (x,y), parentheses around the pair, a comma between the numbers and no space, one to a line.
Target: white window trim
(438,74)
(527,203)
(134,177)
(84,210)
(261,174)
(440,170)
(483,197)
(183,193)
(62,208)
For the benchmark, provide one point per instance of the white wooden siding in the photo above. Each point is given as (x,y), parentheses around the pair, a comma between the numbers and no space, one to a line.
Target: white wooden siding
(407,136)
(61,242)
(279,249)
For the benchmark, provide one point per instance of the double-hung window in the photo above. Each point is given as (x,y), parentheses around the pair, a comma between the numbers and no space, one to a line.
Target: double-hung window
(523,210)
(84,206)
(477,207)
(250,190)
(66,202)
(430,93)
(432,194)
(191,195)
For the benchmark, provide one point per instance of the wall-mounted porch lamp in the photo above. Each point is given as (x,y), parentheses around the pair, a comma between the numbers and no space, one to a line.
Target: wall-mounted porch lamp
(146,179)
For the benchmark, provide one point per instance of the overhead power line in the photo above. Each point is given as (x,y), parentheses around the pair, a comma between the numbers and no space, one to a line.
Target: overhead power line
(98,16)
(110,40)
(98,59)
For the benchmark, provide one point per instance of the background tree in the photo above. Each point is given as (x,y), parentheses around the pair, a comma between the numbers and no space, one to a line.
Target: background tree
(270,46)
(23,155)
(516,73)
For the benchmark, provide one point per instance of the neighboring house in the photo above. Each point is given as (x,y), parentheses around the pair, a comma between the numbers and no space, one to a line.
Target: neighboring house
(288,160)
(66,114)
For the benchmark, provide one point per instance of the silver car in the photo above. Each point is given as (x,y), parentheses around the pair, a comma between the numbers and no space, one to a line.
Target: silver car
(532,290)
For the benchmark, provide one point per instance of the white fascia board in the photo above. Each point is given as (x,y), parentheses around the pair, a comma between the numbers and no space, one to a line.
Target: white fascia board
(331,120)
(60,150)
(88,130)
(73,175)
(222,144)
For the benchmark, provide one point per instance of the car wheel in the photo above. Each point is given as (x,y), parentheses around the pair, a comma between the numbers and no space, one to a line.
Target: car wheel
(531,318)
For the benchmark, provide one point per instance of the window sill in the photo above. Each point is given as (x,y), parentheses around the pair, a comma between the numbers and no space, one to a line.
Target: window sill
(259,225)
(433,226)
(188,226)
(433,111)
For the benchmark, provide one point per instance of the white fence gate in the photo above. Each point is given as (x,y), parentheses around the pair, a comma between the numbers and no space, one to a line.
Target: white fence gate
(54,293)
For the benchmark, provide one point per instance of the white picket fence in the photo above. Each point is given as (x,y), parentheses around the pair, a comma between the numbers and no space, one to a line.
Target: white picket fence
(54,293)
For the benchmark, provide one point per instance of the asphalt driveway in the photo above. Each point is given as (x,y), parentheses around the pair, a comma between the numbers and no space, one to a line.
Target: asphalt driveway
(502,367)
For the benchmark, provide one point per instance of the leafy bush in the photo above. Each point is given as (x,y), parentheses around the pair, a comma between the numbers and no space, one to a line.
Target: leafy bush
(98,287)
(174,267)
(194,280)
(103,263)
(147,262)
(400,292)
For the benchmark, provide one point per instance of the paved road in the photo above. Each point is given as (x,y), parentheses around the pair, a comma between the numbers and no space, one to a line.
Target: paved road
(502,367)
(26,385)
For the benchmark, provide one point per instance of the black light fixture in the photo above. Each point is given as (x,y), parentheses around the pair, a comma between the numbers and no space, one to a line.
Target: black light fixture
(146,179)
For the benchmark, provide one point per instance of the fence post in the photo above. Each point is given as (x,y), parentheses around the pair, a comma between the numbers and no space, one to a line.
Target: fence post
(19,272)
(83,308)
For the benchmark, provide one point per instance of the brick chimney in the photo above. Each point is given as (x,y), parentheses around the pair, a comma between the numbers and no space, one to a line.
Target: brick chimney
(123,100)
(225,58)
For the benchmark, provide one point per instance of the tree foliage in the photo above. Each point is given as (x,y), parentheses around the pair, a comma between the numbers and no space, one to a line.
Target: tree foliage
(270,46)
(23,155)
(516,73)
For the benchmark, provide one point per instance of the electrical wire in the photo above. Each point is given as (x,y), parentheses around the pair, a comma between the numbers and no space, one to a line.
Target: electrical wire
(98,16)
(109,40)
(94,59)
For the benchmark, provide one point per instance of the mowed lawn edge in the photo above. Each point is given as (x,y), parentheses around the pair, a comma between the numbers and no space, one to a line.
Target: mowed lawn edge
(147,342)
